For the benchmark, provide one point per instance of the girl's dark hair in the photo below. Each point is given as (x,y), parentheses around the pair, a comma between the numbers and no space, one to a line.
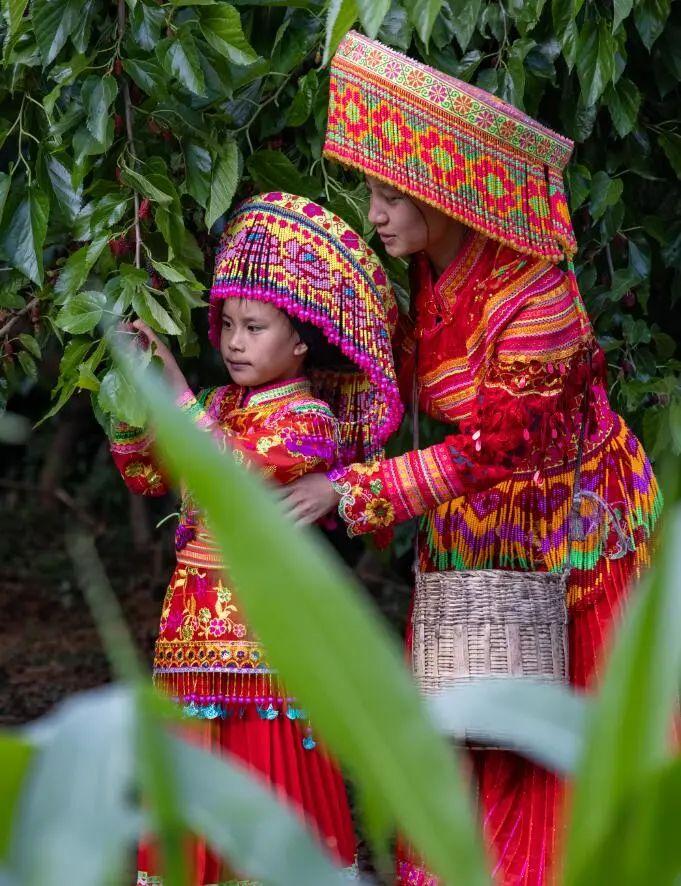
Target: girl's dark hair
(321,354)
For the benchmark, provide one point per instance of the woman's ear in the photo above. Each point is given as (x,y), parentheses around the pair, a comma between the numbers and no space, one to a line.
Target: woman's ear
(300,349)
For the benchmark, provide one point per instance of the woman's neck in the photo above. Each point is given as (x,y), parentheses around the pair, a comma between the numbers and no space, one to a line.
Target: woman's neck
(443,252)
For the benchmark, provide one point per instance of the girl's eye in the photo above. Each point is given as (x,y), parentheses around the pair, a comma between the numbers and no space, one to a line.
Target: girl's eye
(394,199)
(252,328)
(226,323)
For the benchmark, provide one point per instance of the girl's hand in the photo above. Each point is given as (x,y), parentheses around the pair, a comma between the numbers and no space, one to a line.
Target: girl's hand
(309,498)
(171,371)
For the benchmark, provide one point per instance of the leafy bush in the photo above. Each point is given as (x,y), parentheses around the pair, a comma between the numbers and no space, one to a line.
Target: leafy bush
(128,129)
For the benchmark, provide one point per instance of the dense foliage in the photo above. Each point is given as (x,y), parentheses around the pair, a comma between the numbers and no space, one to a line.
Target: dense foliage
(127,129)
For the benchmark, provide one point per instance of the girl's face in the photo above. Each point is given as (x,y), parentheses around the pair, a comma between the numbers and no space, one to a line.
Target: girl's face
(405,225)
(258,344)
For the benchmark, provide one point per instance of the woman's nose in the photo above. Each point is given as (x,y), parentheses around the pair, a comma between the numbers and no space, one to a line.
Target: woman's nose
(377,215)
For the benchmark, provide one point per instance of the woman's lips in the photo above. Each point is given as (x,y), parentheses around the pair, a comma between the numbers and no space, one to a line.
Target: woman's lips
(386,238)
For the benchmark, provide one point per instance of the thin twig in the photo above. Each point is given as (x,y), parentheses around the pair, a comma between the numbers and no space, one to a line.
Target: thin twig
(60,494)
(10,323)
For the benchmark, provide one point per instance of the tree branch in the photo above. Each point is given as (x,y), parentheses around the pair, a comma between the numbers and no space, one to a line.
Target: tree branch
(127,103)
(10,323)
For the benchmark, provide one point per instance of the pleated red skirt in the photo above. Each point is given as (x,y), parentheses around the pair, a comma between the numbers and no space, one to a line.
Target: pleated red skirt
(307,780)
(522,805)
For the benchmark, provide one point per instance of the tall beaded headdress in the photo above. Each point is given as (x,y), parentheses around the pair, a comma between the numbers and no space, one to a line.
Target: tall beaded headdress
(296,255)
(464,151)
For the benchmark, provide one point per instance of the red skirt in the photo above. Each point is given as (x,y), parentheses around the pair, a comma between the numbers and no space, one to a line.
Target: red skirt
(522,805)
(209,660)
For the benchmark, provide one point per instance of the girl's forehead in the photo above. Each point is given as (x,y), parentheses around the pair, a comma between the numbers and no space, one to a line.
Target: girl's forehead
(375,184)
(247,307)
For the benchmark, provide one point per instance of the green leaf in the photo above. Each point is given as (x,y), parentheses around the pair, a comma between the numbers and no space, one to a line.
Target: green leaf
(100,97)
(579,182)
(82,312)
(68,197)
(25,234)
(160,191)
(199,165)
(543,721)
(15,756)
(224,182)
(221,26)
(650,17)
(621,11)
(273,171)
(464,19)
(605,191)
(341,16)
(29,342)
(182,61)
(596,49)
(396,29)
(154,314)
(175,273)
(27,363)
(147,21)
(639,695)
(372,14)
(97,830)
(423,14)
(53,22)
(301,106)
(5,182)
(670,143)
(624,101)
(147,74)
(10,284)
(77,267)
(118,398)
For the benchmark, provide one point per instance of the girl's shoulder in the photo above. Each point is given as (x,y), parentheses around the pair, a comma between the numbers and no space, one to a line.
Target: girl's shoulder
(219,400)
(306,404)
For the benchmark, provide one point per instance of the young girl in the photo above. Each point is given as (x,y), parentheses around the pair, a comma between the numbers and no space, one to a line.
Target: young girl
(302,314)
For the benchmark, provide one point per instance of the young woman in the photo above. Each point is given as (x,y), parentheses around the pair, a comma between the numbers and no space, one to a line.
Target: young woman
(472,190)
(301,313)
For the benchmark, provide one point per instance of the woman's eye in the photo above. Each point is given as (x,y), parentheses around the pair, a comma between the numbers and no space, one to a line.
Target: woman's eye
(252,328)
(226,324)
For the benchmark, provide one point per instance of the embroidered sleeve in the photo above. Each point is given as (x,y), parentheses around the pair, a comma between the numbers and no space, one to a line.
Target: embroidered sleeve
(134,456)
(525,412)
(132,451)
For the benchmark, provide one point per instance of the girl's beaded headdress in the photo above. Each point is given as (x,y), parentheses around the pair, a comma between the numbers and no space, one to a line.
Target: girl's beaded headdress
(464,151)
(305,260)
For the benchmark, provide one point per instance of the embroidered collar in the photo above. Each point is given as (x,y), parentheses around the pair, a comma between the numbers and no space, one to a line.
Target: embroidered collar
(459,270)
(276,391)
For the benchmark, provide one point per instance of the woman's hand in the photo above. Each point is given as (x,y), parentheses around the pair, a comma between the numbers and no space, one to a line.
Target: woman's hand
(171,371)
(309,498)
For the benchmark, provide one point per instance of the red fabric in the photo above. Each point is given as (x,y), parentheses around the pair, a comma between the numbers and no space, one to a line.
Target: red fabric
(522,804)
(307,780)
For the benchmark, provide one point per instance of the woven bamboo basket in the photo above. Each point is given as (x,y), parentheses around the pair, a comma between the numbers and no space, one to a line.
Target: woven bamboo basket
(488,623)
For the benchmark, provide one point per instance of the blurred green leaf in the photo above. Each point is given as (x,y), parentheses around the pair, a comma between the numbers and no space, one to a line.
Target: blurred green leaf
(372,14)
(621,11)
(53,22)
(198,172)
(273,171)
(642,676)
(384,736)
(464,19)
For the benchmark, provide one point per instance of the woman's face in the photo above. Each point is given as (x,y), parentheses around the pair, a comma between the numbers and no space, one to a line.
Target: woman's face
(405,225)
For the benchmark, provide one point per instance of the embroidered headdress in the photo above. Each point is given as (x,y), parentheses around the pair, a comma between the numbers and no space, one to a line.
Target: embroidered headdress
(294,254)
(464,151)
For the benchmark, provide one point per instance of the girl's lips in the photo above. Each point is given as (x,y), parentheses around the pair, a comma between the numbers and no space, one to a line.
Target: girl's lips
(387,237)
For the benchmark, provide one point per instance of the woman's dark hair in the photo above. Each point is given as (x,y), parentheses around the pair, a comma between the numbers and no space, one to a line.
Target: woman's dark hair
(321,354)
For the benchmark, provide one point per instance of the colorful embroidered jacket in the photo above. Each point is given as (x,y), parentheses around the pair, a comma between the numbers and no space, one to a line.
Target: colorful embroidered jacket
(501,344)
(206,655)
